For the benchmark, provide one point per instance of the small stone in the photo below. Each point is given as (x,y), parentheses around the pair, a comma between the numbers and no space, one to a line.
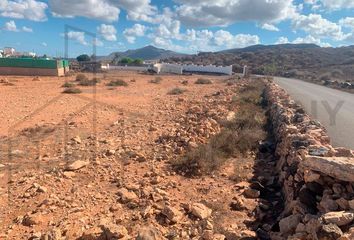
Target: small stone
(200,211)
(339,218)
(110,152)
(77,165)
(127,196)
(289,224)
(148,233)
(251,193)
(42,189)
(33,219)
(311,176)
(76,139)
(173,214)
(351,204)
(113,231)
(329,232)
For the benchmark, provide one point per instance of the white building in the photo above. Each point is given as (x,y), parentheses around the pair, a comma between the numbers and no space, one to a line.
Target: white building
(9,51)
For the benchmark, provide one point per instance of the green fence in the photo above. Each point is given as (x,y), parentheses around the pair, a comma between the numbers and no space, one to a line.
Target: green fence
(33,63)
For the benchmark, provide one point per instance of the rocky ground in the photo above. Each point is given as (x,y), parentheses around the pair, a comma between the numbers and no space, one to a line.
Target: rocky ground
(78,169)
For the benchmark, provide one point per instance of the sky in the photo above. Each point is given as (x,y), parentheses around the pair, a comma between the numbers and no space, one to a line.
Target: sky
(187,26)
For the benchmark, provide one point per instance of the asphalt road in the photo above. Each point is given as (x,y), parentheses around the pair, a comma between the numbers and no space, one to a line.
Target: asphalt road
(333,108)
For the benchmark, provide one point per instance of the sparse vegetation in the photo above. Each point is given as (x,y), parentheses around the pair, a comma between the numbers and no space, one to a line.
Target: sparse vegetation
(203,81)
(239,136)
(116,83)
(87,82)
(81,77)
(68,85)
(157,80)
(177,91)
(72,90)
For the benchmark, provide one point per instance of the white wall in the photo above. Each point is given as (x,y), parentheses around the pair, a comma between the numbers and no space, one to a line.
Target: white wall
(126,68)
(208,69)
(168,68)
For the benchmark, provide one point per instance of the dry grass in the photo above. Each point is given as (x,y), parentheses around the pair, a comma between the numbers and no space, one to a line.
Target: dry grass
(88,82)
(72,90)
(157,80)
(203,81)
(239,137)
(81,77)
(177,91)
(116,83)
(68,85)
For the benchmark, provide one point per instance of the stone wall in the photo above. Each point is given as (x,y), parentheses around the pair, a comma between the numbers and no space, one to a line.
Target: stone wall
(317,179)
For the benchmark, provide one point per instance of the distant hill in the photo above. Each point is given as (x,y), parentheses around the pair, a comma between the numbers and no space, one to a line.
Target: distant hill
(305,61)
(145,53)
(259,47)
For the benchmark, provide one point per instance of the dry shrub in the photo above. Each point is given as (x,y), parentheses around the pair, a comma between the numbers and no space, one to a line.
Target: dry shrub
(72,90)
(177,91)
(157,80)
(81,77)
(87,82)
(116,83)
(68,85)
(239,136)
(203,81)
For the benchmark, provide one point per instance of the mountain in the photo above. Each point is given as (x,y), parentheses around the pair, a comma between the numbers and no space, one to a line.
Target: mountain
(260,47)
(145,53)
(305,61)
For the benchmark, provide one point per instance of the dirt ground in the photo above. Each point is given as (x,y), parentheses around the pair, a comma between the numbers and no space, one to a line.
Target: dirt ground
(96,165)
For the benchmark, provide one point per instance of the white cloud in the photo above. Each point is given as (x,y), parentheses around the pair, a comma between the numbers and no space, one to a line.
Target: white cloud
(347,22)
(107,10)
(137,10)
(108,32)
(27,29)
(98,9)
(24,9)
(337,4)
(10,26)
(282,40)
(270,27)
(226,39)
(44,44)
(78,37)
(223,12)
(137,30)
(311,39)
(318,27)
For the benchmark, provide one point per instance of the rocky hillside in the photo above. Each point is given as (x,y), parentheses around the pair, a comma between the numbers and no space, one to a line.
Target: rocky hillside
(145,53)
(305,61)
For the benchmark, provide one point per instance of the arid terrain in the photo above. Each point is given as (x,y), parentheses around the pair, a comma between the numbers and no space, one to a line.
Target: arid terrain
(112,161)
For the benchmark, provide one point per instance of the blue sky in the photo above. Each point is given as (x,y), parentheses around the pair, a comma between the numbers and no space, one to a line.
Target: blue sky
(179,25)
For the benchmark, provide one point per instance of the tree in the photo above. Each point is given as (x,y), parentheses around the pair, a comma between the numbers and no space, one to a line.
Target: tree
(138,61)
(83,58)
(126,60)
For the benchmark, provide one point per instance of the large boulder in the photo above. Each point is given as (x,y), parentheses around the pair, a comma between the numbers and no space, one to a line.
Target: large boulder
(341,168)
